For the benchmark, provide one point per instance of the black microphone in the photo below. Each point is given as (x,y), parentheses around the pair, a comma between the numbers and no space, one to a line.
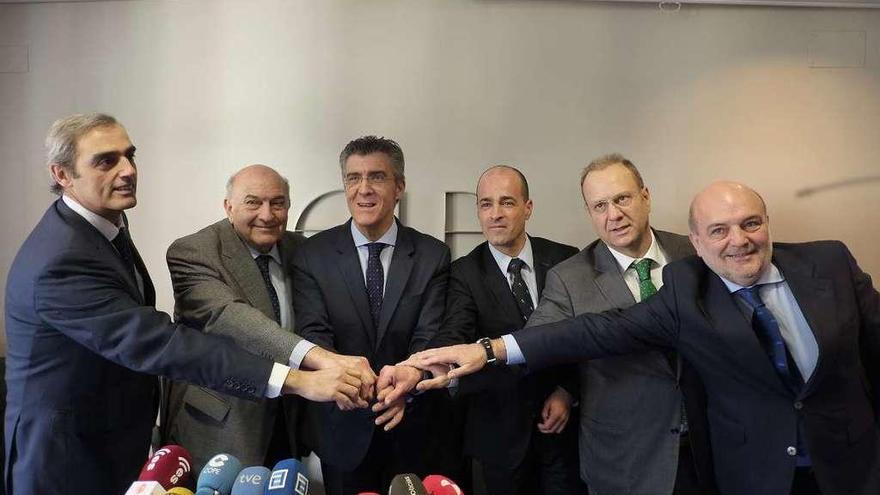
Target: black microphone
(407,484)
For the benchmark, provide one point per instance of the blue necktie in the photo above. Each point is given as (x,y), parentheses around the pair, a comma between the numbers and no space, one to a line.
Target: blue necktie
(767,328)
(375,280)
(263,264)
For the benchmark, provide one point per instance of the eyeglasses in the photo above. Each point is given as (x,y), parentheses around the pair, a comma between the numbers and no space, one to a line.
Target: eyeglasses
(373,179)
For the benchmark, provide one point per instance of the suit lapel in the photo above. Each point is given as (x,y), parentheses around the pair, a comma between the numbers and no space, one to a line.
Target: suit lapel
(238,260)
(740,339)
(349,265)
(811,293)
(104,249)
(398,275)
(674,246)
(609,280)
(542,265)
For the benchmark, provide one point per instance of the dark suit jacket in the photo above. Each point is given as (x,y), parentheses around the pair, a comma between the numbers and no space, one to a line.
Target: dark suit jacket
(218,289)
(630,406)
(501,417)
(330,301)
(83,349)
(753,417)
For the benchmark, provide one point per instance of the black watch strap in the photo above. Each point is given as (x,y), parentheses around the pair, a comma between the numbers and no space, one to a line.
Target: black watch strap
(487,346)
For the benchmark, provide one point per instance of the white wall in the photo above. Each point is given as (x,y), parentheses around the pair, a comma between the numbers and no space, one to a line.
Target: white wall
(207,86)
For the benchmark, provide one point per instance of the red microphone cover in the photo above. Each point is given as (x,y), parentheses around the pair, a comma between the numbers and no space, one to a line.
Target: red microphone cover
(170,466)
(441,485)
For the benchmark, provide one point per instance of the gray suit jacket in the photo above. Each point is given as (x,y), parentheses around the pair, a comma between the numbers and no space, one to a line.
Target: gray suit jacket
(218,289)
(630,405)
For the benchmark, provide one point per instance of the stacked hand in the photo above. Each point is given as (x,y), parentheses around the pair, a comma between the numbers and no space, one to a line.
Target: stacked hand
(336,384)
(448,363)
(357,366)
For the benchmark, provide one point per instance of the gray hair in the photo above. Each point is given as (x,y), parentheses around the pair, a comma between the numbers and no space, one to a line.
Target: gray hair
(63,136)
(606,161)
(367,145)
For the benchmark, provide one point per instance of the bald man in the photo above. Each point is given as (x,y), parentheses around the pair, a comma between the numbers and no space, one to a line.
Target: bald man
(786,338)
(234,278)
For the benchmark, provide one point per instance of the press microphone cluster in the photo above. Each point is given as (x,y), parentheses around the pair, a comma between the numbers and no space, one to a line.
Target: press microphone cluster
(223,475)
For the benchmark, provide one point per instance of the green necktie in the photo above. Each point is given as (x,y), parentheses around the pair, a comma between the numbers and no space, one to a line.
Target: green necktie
(646,286)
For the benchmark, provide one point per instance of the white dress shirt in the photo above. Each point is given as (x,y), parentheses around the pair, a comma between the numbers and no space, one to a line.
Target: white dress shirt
(361,241)
(527,272)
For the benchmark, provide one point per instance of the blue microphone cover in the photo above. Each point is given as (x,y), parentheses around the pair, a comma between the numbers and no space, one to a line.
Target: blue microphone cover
(288,478)
(218,475)
(251,481)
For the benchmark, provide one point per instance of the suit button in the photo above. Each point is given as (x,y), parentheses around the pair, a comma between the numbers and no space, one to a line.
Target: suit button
(798,405)
(791,451)
(675,431)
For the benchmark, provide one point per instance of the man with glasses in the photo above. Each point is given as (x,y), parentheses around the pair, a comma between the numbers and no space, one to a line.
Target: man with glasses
(372,287)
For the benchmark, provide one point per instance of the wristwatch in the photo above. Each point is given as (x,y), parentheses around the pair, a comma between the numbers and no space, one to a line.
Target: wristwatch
(487,346)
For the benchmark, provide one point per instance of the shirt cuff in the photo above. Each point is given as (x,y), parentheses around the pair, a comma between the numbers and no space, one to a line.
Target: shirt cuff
(514,354)
(276,380)
(299,353)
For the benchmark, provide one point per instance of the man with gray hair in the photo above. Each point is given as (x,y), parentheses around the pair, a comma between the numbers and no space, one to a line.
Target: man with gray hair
(84,340)
(233,278)
(376,288)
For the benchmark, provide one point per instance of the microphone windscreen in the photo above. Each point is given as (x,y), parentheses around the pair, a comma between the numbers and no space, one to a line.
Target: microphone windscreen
(407,484)
(145,488)
(441,485)
(367,493)
(251,481)
(288,477)
(179,490)
(170,466)
(218,475)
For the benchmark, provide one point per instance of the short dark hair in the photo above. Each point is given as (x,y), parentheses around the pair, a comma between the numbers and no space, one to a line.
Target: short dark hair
(522,178)
(608,160)
(367,145)
(63,136)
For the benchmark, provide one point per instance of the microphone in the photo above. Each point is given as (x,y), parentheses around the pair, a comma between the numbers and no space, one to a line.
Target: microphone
(179,490)
(441,485)
(367,493)
(170,466)
(167,468)
(145,488)
(218,475)
(251,481)
(407,484)
(288,478)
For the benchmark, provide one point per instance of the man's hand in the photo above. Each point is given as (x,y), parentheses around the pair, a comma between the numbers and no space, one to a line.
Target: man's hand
(439,377)
(396,381)
(556,411)
(318,359)
(469,358)
(331,384)
(394,410)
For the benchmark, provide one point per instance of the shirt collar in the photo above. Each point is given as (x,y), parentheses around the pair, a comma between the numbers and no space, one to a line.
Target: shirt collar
(503,260)
(274,253)
(653,253)
(770,276)
(389,237)
(104,226)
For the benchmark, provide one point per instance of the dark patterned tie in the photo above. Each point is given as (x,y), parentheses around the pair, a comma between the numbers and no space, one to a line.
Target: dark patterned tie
(646,285)
(767,329)
(375,280)
(263,261)
(122,243)
(520,289)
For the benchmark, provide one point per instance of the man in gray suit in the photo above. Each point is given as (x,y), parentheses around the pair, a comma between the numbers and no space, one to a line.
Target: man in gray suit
(234,278)
(632,438)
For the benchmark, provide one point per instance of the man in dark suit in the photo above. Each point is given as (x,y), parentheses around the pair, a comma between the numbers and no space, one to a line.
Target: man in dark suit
(786,339)
(375,288)
(632,437)
(233,278)
(515,426)
(84,340)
